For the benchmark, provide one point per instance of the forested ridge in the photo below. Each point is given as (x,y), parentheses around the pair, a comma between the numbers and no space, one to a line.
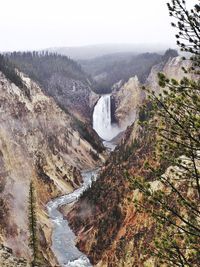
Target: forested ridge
(40,65)
(110,69)
(60,77)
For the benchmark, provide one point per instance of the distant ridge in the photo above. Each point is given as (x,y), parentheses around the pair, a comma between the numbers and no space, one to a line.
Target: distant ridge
(93,51)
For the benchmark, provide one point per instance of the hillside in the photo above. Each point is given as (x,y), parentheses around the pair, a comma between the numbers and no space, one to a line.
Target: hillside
(100,133)
(39,143)
(110,69)
(60,77)
(114,233)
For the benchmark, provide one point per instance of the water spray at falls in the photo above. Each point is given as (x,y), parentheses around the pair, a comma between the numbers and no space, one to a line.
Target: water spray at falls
(102,123)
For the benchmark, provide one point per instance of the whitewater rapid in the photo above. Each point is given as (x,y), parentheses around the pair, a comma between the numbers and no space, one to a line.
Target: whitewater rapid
(63,238)
(102,121)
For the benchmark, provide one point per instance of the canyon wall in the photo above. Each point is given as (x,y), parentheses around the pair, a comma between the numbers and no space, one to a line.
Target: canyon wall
(127,100)
(38,142)
(130,96)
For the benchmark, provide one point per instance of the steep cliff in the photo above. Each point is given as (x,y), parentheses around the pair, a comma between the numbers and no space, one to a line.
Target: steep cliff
(38,142)
(129,96)
(127,100)
(172,69)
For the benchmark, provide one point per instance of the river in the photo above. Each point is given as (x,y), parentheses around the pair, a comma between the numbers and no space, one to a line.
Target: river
(63,238)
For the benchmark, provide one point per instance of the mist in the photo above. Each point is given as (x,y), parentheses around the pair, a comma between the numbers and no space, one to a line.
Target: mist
(32,25)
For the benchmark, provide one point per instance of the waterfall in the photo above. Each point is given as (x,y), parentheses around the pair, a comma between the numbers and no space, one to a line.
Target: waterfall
(102,119)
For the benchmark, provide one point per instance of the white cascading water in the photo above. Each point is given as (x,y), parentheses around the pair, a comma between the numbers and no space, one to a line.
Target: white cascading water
(102,119)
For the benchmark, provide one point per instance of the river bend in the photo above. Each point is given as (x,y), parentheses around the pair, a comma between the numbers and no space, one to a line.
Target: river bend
(63,238)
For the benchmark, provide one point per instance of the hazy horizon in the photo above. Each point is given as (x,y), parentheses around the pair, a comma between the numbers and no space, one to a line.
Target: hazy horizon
(36,25)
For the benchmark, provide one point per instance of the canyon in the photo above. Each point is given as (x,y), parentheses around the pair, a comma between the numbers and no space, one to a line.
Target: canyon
(52,137)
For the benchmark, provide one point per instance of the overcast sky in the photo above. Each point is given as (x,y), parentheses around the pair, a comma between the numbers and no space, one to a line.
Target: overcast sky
(38,24)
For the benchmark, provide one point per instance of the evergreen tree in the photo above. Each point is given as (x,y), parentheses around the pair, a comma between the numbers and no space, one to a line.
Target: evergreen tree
(188,25)
(33,224)
(8,69)
(174,204)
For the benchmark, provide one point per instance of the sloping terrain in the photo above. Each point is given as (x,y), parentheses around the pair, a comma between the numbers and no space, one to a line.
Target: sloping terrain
(61,78)
(127,99)
(110,69)
(38,142)
(112,232)
(7,259)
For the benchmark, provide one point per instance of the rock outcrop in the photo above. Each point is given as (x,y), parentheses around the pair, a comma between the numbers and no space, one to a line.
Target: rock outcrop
(8,260)
(129,96)
(172,69)
(127,100)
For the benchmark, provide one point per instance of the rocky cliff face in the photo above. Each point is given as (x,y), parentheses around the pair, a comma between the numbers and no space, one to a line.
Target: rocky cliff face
(129,96)
(7,259)
(110,230)
(75,96)
(172,69)
(39,142)
(127,100)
